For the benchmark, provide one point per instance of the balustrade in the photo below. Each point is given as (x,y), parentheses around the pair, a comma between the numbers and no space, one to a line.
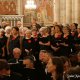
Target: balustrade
(12,19)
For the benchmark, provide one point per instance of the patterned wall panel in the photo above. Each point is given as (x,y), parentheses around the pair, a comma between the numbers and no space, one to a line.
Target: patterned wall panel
(8,7)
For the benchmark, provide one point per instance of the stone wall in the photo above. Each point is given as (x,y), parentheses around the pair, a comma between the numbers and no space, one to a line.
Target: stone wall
(66,11)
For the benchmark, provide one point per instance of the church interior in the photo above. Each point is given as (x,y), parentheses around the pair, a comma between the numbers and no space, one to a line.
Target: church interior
(39,40)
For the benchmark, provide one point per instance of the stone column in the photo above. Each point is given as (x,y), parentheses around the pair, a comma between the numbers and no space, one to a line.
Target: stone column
(73,11)
(56,10)
(19,7)
(77,13)
(68,11)
(62,11)
(21,2)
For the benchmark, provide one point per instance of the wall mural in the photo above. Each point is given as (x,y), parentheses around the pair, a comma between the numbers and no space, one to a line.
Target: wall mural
(49,10)
(45,10)
(28,14)
(8,7)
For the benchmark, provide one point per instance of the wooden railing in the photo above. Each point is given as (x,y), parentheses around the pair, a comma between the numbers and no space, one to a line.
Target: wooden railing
(12,19)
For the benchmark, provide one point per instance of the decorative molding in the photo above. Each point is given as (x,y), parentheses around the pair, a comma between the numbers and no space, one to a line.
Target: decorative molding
(12,19)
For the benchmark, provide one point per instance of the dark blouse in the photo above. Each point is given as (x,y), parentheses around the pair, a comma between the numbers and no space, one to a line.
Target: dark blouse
(27,44)
(69,48)
(44,40)
(14,43)
(56,40)
(77,39)
(3,42)
(36,45)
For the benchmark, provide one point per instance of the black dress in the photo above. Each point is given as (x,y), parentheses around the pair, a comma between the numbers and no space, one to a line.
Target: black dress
(3,42)
(45,40)
(28,45)
(36,48)
(36,44)
(77,41)
(1,46)
(55,42)
(74,36)
(66,50)
(13,43)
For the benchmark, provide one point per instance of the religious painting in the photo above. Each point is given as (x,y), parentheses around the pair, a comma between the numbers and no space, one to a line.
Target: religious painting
(45,10)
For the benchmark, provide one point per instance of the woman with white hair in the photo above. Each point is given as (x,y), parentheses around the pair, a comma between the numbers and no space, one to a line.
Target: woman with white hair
(8,31)
(44,40)
(27,43)
(22,31)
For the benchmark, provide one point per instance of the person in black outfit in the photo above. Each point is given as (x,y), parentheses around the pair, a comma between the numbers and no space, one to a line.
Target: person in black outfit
(16,56)
(67,42)
(29,72)
(16,61)
(56,39)
(77,39)
(1,50)
(44,40)
(35,24)
(44,57)
(74,33)
(14,41)
(27,44)
(36,47)
(6,74)
(73,27)
(3,41)
(55,67)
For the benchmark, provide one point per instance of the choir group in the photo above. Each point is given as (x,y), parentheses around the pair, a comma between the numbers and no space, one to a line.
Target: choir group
(40,53)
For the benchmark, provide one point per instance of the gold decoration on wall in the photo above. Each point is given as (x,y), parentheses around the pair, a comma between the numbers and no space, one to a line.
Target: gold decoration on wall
(8,7)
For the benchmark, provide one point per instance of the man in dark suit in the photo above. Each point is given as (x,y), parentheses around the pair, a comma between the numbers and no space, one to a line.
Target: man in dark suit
(16,56)
(44,57)
(16,61)
(6,74)
(29,71)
